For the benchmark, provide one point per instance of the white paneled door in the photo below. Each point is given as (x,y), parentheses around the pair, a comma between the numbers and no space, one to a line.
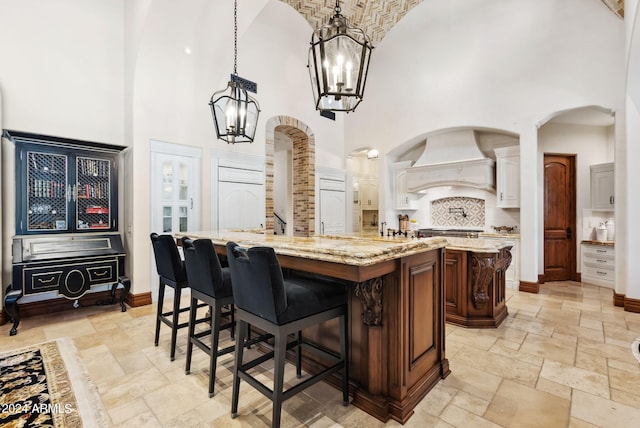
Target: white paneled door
(175,193)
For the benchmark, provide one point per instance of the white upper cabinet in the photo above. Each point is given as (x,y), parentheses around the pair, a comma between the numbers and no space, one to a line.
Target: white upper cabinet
(602,186)
(508,177)
(403,199)
(367,192)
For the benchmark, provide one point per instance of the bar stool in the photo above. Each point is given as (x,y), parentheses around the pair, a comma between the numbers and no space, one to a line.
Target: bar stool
(282,307)
(210,283)
(172,273)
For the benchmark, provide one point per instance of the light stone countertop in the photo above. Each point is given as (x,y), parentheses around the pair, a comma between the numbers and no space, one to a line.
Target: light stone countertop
(349,249)
(499,235)
(594,242)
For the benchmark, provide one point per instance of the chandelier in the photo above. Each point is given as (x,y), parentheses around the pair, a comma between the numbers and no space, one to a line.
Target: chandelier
(338,63)
(235,113)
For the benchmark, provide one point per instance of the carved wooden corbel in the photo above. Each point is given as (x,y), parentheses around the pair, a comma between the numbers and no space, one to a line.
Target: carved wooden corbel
(482,268)
(370,293)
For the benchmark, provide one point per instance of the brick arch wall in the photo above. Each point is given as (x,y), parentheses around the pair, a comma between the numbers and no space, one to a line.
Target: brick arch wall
(304,173)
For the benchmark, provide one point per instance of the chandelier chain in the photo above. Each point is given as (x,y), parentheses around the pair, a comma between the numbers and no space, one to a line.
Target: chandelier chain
(235,37)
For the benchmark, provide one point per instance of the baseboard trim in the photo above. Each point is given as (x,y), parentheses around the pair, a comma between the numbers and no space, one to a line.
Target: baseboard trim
(135,300)
(579,276)
(32,309)
(631,305)
(60,304)
(529,287)
(618,300)
(541,279)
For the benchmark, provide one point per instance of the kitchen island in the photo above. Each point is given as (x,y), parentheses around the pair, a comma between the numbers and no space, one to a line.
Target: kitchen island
(397,315)
(475,276)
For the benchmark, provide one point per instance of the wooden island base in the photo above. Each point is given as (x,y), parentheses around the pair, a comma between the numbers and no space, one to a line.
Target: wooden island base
(475,287)
(396,335)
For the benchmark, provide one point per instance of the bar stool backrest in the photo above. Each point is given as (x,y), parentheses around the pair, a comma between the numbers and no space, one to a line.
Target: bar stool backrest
(203,267)
(256,278)
(168,262)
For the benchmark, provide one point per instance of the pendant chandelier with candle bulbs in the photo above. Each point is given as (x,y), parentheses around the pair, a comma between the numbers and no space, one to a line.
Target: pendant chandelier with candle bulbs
(338,64)
(235,113)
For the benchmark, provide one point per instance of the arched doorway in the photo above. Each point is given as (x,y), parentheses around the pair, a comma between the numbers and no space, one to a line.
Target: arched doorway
(304,182)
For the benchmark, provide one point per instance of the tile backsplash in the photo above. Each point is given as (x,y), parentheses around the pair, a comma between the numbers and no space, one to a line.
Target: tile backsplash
(591,219)
(458,211)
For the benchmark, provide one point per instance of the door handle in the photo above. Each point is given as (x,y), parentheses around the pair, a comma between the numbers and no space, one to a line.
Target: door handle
(568,233)
(322,227)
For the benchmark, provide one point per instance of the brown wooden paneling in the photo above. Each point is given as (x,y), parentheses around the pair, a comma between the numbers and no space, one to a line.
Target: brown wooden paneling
(455,274)
(422,308)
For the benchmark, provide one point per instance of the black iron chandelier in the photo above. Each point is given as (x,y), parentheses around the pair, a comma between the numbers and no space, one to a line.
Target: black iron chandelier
(338,64)
(235,113)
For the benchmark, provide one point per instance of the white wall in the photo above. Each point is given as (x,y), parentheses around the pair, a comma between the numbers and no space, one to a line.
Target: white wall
(628,244)
(62,71)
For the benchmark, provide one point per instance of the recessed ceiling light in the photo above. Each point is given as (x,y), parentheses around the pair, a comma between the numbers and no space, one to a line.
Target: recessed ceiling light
(187,50)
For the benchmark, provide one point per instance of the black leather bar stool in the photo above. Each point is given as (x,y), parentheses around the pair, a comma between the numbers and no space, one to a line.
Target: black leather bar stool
(172,273)
(263,298)
(210,283)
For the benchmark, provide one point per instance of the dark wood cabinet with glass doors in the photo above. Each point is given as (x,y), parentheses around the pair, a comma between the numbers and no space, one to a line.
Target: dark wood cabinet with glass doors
(65,187)
(67,238)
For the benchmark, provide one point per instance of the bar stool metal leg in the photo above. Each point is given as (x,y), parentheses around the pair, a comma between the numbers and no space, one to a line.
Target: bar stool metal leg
(159,311)
(176,313)
(280,351)
(241,327)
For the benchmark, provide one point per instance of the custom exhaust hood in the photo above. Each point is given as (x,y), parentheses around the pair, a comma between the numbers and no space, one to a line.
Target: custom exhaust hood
(452,159)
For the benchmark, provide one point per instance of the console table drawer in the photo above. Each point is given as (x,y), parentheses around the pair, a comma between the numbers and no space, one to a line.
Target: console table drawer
(41,281)
(70,280)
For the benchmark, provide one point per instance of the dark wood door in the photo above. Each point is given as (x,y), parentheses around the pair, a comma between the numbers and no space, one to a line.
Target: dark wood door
(559,217)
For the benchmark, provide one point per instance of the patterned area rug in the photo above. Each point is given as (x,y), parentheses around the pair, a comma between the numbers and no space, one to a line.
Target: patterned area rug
(46,385)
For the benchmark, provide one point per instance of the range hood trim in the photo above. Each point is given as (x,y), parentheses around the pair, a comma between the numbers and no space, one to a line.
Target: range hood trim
(477,173)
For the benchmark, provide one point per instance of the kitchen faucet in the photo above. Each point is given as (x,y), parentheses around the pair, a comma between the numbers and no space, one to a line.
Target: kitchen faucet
(382,225)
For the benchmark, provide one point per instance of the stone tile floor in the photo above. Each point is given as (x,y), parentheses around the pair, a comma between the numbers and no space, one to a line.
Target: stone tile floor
(561,359)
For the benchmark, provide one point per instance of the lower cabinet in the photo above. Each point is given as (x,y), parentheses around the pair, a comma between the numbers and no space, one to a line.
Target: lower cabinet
(598,264)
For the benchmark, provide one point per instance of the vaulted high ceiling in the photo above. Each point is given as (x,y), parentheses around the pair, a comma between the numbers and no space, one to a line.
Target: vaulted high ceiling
(376,17)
